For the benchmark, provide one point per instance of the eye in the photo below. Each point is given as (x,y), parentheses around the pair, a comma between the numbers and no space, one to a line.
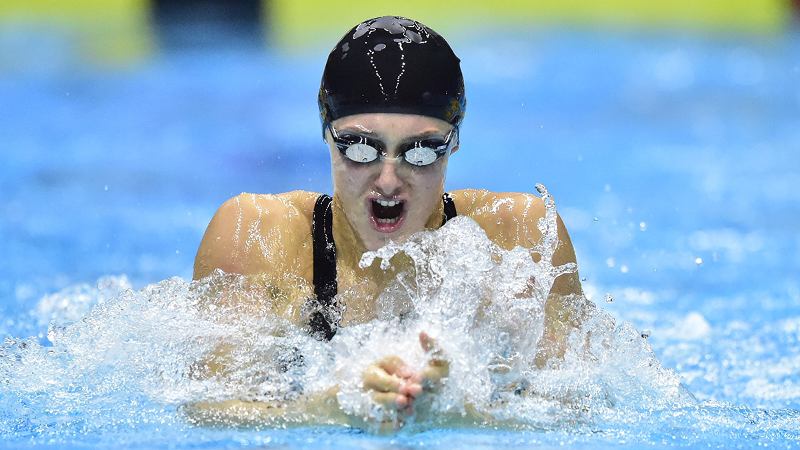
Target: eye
(361,153)
(420,156)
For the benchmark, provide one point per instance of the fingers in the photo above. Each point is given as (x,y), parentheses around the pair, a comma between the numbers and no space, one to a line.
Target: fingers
(394,365)
(437,368)
(396,386)
(390,400)
(377,379)
(429,344)
(426,341)
(411,388)
(432,375)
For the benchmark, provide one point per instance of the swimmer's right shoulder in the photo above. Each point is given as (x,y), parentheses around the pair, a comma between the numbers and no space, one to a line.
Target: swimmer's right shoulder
(287,205)
(249,233)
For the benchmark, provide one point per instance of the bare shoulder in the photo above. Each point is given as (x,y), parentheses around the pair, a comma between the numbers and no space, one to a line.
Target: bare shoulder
(483,203)
(255,233)
(509,218)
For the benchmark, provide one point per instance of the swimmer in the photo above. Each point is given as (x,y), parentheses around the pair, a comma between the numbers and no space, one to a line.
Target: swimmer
(391,105)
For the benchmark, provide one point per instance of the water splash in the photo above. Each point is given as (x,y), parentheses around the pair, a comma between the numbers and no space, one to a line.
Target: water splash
(117,358)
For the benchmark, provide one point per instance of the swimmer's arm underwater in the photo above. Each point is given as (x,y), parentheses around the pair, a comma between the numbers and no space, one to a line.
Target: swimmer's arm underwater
(320,408)
(389,382)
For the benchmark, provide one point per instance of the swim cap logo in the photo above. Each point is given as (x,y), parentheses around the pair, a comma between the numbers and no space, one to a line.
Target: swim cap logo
(455,110)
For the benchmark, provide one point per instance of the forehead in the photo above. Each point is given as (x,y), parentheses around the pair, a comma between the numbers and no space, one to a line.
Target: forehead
(390,124)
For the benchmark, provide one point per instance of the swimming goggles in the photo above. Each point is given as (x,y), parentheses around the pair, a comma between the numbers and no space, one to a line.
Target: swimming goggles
(364,150)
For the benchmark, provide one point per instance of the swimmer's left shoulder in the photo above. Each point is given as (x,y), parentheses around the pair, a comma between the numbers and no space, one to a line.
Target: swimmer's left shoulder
(481,203)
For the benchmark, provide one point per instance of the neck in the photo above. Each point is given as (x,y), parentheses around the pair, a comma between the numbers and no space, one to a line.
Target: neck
(350,247)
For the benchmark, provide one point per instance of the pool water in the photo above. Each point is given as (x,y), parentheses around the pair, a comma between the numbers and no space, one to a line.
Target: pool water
(673,158)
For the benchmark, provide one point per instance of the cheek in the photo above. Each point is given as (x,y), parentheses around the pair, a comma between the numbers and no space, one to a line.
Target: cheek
(429,186)
(348,181)
(431,178)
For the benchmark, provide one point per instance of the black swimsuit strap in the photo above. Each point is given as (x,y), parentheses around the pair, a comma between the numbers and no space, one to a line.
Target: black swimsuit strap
(449,208)
(325,285)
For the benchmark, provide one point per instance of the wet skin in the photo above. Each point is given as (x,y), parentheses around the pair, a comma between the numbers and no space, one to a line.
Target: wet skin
(270,235)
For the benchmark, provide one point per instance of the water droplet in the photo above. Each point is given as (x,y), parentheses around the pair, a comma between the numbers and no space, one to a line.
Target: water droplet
(177,252)
(607,188)
(698,261)
(645,333)
(609,298)
(595,219)
(611,262)
(583,279)
(623,268)
(105,188)
(642,226)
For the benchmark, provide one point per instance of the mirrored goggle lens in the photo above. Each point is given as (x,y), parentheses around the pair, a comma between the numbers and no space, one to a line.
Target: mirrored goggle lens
(421,156)
(364,153)
(361,153)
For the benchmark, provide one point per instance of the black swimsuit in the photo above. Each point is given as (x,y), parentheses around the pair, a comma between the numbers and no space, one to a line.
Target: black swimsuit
(325,286)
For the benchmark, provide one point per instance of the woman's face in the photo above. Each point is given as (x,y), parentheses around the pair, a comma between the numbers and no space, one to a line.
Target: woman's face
(388,199)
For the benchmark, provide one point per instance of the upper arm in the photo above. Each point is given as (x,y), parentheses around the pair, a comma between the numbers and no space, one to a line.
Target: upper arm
(218,244)
(243,237)
(512,219)
(521,227)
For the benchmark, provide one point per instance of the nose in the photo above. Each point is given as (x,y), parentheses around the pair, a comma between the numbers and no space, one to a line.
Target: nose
(388,182)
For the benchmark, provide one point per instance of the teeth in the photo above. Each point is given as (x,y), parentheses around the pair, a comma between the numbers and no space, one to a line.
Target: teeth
(387,220)
(387,202)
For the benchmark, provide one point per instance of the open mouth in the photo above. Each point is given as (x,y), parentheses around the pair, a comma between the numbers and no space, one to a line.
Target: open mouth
(387,214)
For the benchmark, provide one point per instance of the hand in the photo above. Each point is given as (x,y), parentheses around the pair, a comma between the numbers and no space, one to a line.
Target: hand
(393,383)
(395,386)
(437,369)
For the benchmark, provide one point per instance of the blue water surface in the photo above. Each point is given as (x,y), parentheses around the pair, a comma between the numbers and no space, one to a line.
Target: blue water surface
(674,158)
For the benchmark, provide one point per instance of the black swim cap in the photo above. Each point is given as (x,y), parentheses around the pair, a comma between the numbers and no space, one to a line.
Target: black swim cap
(395,65)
